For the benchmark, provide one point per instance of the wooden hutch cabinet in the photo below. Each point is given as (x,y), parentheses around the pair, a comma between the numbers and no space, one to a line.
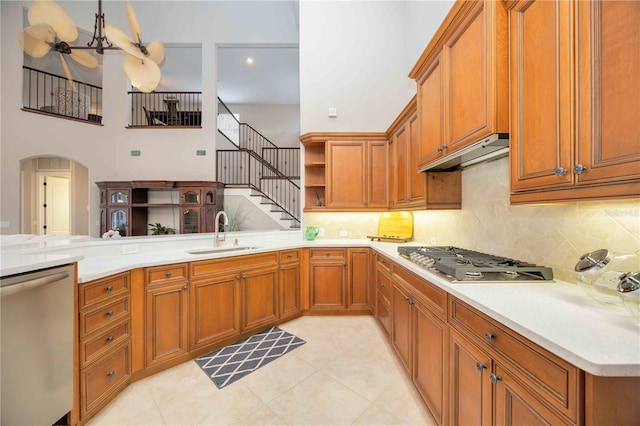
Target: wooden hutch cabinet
(125,205)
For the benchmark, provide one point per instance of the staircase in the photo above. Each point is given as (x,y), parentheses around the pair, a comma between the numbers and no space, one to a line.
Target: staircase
(256,164)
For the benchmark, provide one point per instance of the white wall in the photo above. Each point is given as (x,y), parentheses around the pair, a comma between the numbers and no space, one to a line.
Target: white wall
(278,123)
(421,20)
(105,150)
(351,58)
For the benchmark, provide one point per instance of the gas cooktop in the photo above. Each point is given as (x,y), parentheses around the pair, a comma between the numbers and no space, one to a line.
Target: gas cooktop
(462,265)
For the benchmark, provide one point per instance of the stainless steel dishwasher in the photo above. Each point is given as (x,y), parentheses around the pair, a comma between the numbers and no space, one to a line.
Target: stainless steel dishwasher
(37,312)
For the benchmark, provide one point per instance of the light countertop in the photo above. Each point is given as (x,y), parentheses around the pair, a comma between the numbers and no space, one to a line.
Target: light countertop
(560,317)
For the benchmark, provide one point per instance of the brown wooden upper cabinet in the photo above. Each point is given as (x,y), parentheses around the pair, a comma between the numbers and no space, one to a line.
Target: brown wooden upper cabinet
(350,173)
(409,188)
(462,80)
(575,114)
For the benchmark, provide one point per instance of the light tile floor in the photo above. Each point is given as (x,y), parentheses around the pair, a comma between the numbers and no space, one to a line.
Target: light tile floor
(346,374)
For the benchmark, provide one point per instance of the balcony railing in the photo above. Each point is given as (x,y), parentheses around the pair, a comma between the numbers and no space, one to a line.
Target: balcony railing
(166,109)
(52,94)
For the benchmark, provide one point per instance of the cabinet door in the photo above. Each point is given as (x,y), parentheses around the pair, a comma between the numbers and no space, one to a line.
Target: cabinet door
(167,320)
(401,163)
(190,220)
(429,334)
(471,90)
(289,290)
(328,289)
(401,325)
(358,279)
(377,173)
(541,45)
(515,405)
(346,171)
(214,312)
(470,390)
(608,91)
(430,109)
(260,297)
(415,179)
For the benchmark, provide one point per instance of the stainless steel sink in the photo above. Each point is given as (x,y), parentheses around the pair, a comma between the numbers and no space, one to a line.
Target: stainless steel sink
(215,250)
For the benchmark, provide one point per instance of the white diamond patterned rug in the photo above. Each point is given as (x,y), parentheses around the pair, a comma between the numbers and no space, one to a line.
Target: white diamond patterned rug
(233,362)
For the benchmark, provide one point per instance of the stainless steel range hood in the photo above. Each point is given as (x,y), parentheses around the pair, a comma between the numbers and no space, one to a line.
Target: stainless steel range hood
(490,148)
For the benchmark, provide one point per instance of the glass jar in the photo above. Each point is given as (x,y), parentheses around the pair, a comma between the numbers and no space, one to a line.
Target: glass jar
(629,290)
(599,272)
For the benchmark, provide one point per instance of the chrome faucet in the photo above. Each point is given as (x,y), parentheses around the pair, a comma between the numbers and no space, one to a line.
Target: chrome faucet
(217,239)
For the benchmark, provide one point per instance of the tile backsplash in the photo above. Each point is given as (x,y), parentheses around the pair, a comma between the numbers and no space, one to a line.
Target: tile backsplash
(551,235)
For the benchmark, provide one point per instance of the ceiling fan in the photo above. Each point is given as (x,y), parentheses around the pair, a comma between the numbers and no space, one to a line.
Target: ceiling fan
(50,28)
(141,65)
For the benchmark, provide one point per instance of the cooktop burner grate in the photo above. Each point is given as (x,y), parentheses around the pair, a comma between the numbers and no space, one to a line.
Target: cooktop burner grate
(462,265)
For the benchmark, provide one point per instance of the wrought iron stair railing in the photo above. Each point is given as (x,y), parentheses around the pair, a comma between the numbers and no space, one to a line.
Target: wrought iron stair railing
(259,164)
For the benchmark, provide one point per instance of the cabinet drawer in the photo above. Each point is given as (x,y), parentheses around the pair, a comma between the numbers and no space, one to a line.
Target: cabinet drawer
(97,291)
(431,295)
(329,254)
(554,379)
(288,256)
(166,274)
(95,346)
(102,316)
(206,268)
(383,313)
(384,286)
(105,378)
(384,265)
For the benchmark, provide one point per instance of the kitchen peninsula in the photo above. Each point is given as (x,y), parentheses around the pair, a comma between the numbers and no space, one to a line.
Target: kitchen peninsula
(597,343)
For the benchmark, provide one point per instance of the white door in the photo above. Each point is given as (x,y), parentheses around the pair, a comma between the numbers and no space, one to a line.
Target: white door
(53,205)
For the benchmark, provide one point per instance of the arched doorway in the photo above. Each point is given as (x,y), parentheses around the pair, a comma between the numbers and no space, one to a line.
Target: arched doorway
(54,196)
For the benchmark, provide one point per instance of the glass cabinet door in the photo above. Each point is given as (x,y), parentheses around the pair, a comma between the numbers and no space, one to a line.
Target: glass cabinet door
(119,197)
(190,221)
(119,221)
(191,197)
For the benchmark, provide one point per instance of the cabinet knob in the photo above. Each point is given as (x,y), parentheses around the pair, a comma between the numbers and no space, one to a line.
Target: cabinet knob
(489,336)
(282,269)
(111,373)
(494,378)
(579,168)
(381,315)
(445,146)
(289,256)
(440,149)
(108,288)
(382,285)
(561,171)
(110,339)
(480,366)
(110,313)
(328,254)
(238,277)
(186,287)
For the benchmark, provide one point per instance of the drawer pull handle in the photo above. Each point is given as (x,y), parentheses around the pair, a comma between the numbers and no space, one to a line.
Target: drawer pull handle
(489,336)
(289,256)
(167,274)
(480,366)
(110,339)
(494,378)
(111,373)
(110,313)
(328,254)
(108,288)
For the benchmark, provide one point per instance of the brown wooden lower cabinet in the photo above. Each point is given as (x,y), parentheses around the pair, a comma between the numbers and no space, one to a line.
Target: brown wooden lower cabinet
(214,312)
(419,338)
(167,322)
(468,368)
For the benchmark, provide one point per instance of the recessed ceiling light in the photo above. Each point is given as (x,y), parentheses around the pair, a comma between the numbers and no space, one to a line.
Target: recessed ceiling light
(249,60)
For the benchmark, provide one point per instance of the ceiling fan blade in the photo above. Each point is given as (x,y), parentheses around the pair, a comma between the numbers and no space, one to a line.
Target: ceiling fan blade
(144,74)
(31,45)
(156,51)
(42,32)
(49,12)
(65,67)
(85,59)
(133,23)
(120,39)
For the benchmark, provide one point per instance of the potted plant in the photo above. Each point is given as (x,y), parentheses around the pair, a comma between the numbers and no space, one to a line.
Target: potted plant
(158,229)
